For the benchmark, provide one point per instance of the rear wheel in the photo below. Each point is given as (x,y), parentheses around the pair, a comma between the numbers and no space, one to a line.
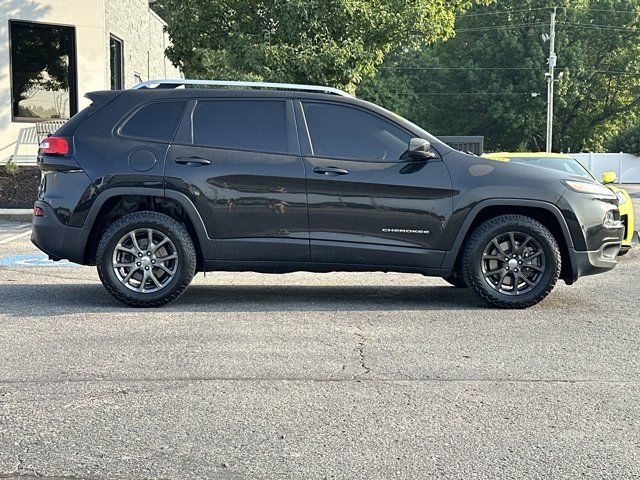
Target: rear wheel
(146,259)
(511,261)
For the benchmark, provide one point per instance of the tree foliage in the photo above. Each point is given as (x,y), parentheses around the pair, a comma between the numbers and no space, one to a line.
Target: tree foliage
(333,42)
(481,81)
(627,141)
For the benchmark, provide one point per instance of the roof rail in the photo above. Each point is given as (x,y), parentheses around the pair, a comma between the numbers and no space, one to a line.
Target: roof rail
(229,83)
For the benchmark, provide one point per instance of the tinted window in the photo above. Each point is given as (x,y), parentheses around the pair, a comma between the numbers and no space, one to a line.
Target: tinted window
(240,124)
(156,121)
(345,132)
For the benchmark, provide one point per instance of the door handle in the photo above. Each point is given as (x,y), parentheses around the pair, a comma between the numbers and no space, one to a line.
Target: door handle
(193,161)
(330,171)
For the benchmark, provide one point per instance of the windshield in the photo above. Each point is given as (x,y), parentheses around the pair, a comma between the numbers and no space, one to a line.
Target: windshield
(569,165)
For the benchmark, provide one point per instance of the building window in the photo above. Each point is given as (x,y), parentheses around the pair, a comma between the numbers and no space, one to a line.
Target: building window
(116,63)
(43,71)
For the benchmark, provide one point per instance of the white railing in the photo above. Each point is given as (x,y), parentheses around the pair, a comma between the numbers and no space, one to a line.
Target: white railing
(626,166)
(25,148)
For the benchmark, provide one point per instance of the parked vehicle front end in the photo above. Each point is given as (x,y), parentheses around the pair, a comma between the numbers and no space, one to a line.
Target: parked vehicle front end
(568,164)
(594,220)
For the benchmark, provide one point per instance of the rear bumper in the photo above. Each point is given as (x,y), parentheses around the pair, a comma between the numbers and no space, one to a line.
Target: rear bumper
(56,239)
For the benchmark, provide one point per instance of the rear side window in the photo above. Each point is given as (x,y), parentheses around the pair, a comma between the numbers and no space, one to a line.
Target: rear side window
(155,121)
(345,132)
(241,125)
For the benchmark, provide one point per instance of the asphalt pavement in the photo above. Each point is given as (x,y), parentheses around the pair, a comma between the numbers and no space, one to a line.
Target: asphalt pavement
(305,376)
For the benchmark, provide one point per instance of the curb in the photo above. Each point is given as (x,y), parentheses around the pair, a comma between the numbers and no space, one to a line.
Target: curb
(16,214)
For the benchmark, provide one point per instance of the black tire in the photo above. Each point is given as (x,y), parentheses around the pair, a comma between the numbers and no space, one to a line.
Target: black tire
(456,280)
(480,250)
(181,272)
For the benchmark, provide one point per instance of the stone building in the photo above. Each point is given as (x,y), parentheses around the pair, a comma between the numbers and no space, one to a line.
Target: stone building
(52,52)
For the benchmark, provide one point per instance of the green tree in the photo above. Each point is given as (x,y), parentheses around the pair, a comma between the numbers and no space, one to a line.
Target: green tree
(333,42)
(627,141)
(490,78)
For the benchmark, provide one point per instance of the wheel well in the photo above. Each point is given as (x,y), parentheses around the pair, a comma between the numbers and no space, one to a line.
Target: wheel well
(545,217)
(119,206)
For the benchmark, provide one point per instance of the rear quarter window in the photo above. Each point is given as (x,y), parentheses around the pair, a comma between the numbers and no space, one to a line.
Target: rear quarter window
(154,121)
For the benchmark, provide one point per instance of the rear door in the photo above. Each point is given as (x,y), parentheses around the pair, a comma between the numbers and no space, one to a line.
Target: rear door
(368,202)
(238,160)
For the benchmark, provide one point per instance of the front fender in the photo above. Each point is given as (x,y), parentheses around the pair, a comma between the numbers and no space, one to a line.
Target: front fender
(452,255)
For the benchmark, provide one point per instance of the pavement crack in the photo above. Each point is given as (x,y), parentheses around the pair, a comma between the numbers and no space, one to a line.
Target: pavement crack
(360,346)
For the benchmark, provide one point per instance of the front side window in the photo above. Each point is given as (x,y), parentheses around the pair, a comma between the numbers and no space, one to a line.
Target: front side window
(155,121)
(43,71)
(345,132)
(116,63)
(259,125)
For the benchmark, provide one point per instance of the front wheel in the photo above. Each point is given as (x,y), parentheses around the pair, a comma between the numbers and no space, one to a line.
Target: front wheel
(455,279)
(146,259)
(511,261)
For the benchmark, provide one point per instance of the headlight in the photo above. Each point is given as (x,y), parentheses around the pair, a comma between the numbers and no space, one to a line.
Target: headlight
(592,188)
(622,199)
(610,221)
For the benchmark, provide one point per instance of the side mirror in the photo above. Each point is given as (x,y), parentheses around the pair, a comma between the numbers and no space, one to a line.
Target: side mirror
(420,149)
(609,177)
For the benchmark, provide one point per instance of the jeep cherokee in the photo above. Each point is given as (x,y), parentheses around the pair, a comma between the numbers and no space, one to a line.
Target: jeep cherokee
(156,183)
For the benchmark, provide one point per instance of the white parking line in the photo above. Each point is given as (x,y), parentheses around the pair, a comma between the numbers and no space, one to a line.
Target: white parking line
(15,237)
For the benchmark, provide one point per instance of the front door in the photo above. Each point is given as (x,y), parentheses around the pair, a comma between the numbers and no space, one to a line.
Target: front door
(369,204)
(238,161)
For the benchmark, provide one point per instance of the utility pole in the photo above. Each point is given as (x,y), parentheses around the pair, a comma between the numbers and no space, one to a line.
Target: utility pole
(551,79)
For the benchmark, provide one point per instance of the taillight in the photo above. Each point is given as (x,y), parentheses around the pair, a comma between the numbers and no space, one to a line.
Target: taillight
(54,146)
(38,211)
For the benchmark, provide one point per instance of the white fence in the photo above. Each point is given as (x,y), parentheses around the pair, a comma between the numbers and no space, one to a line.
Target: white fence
(626,166)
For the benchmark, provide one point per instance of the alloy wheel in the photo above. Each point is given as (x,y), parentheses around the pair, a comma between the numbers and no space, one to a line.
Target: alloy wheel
(513,263)
(145,260)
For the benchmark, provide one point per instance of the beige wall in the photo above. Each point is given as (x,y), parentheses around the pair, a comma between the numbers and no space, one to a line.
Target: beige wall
(130,20)
(133,22)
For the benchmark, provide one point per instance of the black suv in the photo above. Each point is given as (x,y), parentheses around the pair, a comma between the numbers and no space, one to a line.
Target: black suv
(152,185)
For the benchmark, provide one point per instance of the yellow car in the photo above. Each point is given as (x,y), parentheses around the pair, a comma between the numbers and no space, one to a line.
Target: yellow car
(566,163)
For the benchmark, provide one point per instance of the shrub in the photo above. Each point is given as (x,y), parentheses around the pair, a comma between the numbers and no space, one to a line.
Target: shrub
(11,167)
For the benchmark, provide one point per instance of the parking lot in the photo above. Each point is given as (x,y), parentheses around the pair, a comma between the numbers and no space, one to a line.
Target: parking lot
(314,376)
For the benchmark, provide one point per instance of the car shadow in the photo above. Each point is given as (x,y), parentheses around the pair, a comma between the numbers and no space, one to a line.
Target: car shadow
(49,300)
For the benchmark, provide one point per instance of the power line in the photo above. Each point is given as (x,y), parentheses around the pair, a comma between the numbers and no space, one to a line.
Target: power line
(472,69)
(502,12)
(465,15)
(499,27)
(599,10)
(598,27)
(616,72)
(464,93)
(457,68)
(537,24)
